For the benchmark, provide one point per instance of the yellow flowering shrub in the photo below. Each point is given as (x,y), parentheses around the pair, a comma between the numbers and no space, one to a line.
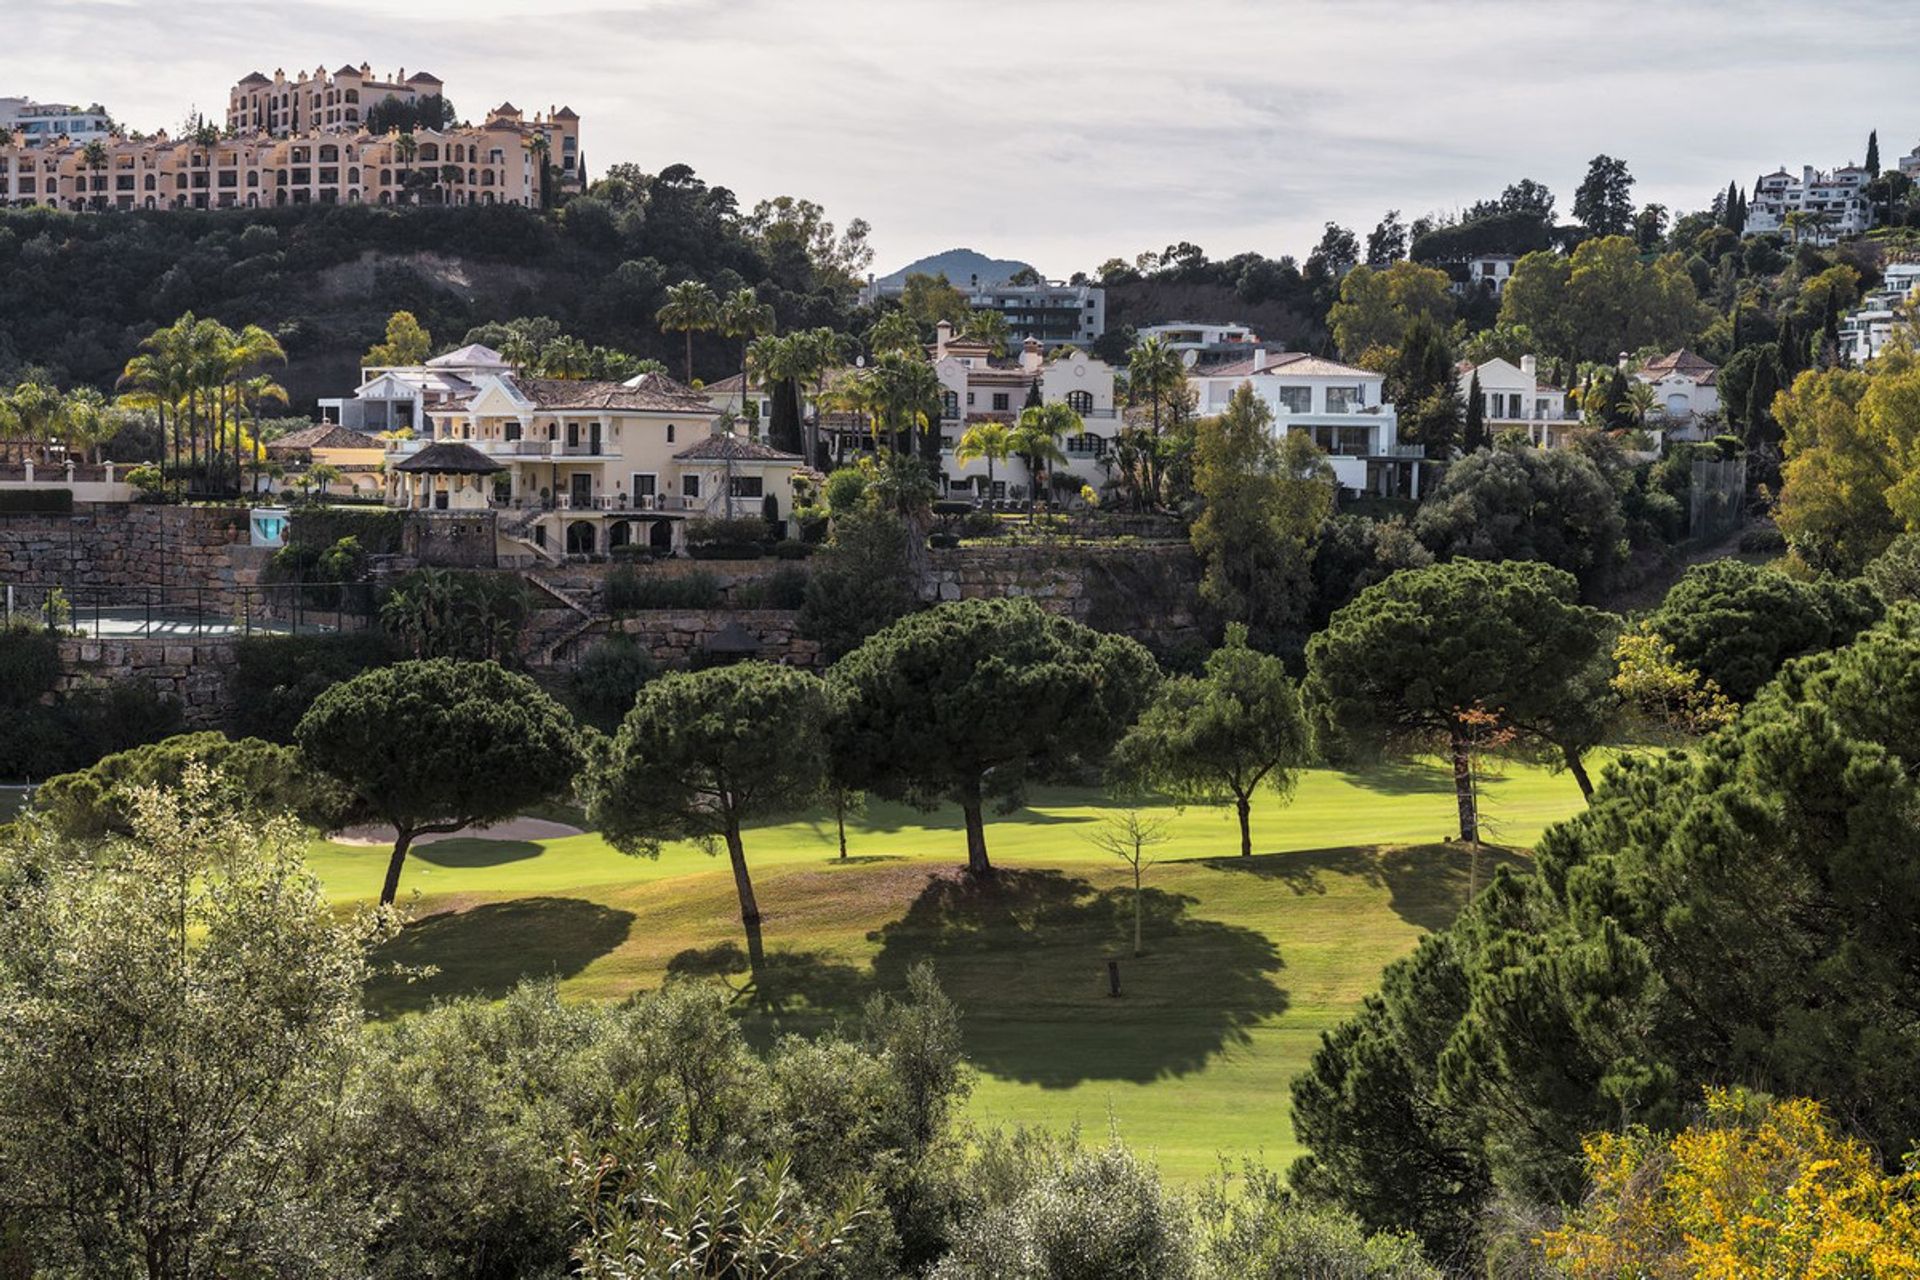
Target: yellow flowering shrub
(1761,1190)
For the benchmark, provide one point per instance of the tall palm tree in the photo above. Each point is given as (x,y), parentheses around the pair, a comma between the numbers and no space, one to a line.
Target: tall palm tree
(774,362)
(85,423)
(989,440)
(32,415)
(1641,401)
(243,354)
(742,315)
(405,148)
(894,331)
(904,393)
(519,352)
(94,156)
(690,305)
(542,151)
(1036,439)
(161,377)
(565,357)
(818,352)
(1154,372)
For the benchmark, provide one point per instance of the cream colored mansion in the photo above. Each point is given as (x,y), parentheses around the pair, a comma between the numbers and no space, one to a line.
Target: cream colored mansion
(303,141)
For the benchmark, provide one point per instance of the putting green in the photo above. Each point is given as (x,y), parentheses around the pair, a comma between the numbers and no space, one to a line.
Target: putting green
(1247,961)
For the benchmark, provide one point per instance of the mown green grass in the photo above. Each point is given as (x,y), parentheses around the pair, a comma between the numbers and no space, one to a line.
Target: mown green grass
(1248,960)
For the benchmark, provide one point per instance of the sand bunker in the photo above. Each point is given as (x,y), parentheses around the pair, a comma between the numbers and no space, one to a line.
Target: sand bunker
(372,835)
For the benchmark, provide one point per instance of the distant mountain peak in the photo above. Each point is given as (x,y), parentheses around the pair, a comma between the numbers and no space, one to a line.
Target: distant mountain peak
(960,266)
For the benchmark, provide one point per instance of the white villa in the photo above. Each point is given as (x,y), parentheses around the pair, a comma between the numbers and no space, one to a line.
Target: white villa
(1341,407)
(399,397)
(587,467)
(1688,387)
(1835,205)
(1513,398)
(1866,330)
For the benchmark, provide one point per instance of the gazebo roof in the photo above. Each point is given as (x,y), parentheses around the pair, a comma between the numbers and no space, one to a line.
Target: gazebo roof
(449,458)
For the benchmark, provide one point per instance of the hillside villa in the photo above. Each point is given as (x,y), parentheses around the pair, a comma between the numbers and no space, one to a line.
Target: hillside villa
(585,468)
(1513,398)
(1340,407)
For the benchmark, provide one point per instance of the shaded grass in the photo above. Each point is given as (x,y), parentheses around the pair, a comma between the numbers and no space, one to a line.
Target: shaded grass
(1248,960)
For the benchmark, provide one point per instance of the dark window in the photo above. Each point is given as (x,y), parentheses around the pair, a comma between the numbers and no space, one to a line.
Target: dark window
(690,486)
(745,487)
(669,433)
(1080,401)
(1000,403)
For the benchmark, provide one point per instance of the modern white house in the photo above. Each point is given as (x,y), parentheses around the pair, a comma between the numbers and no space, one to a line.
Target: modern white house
(1866,330)
(1342,408)
(1513,398)
(1055,313)
(1833,206)
(584,468)
(1687,387)
(1491,270)
(1201,344)
(34,123)
(399,397)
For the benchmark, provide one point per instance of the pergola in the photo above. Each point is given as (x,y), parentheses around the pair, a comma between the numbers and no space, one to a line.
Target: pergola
(461,466)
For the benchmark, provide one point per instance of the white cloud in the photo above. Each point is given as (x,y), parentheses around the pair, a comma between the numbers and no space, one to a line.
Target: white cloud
(1069,132)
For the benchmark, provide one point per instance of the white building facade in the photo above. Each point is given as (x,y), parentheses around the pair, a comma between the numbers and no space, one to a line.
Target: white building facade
(399,397)
(1867,329)
(1832,206)
(34,123)
(1513,398)
(1204,345)
(1340,407)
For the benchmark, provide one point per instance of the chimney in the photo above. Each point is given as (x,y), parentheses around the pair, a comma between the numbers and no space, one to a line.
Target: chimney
(1530,367)
(1031,355)
(1624,360)
(942,335)
(1259,358)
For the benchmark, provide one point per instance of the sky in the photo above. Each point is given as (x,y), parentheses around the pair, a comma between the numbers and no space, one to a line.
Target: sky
(1063,133)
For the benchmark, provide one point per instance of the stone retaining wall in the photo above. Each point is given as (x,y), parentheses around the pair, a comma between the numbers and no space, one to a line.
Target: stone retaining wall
(109,545)
(680,637)
(192,672)
(1151,593)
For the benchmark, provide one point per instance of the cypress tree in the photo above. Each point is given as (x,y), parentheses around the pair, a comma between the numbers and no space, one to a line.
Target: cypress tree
(1475,435)
(1873,154)
(1033,396)
(1789,348)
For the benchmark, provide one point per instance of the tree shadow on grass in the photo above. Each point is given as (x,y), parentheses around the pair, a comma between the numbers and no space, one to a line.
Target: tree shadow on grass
(1426,885)
(1024,954)
(488,949)
(1400,778)
(802,983)
(474,852)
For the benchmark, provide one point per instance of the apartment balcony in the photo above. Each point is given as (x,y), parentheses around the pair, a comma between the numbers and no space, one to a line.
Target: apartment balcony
(522,450)
(617,503)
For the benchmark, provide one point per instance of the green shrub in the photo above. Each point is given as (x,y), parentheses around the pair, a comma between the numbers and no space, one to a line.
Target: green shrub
(276,678)
(377,531)
(1894,574)
(150,480)
(29,665)
(602,688)
(36,501)
(467,615)
(791,549)
(845,490)
(786,588)
(629,590)
(714,538)
(1766,540)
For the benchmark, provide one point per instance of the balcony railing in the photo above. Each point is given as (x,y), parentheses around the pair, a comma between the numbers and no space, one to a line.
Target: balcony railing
(611,502)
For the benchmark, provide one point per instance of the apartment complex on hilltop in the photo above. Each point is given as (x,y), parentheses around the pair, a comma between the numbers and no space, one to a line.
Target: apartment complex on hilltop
(304,140)
(27,121)
(1816,207)
(1052,312)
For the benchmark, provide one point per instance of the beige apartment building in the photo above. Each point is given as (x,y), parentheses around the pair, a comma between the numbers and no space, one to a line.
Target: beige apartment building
(303,141)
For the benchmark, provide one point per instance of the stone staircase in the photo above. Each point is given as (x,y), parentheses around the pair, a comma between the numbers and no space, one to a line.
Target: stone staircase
(517,528)
(552,636)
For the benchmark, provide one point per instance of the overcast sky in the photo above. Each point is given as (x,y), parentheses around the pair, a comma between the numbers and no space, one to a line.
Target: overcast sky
(1066,133)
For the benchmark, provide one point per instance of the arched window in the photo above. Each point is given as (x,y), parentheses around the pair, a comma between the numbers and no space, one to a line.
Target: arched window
(329,152)
(353,176)
(949,404)
(429,152)
(1080,401)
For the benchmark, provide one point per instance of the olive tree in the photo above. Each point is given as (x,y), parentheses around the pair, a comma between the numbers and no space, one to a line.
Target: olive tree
(1222,735)
(1415,660)
(439,745)
(178,1010)
(971,701)
(703,752)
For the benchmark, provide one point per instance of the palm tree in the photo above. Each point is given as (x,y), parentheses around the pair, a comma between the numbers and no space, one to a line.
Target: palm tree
(989,440)
(774,362)
(690,305)
(240,355)
(1036,439)
(894,331)
(565,357)
(818,352)
(159,378)
(32,412)
(405,148)
(1154,372)
(519,352)
(742,315)
(904,393)
(1641,400)
(323,474)
(989,327)
(86,422)
(94,156)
